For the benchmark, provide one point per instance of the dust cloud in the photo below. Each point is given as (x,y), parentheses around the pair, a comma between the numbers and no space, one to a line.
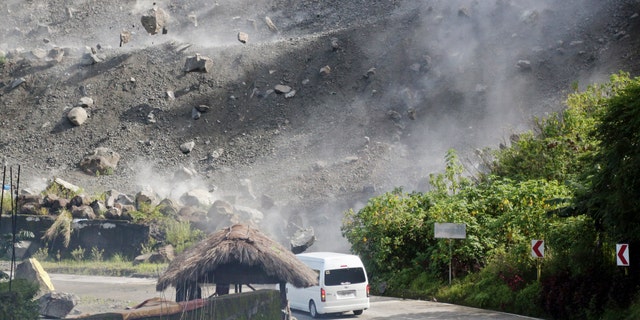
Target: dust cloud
(457,74)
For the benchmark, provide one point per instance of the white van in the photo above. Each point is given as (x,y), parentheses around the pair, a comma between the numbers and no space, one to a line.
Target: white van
(343,285)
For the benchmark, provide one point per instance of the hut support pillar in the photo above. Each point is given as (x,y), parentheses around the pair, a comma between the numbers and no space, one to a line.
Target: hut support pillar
(284,303)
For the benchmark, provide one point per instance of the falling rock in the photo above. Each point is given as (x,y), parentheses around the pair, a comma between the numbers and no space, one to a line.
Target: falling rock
(243,37)
(196,198)
(267,202)
(280,88)
(290,94)
(198,63)
(325,70)
(86,102)
(90,59)
(154,20)
(193,18)
(246,188)
(63,186)
(248,215)
(184,174)
(335,44)
(100,161)
(125,37)
(187,147)
(524,65)
(57,305)
(195,114)
(302,239)
(16,82)
(56,54)
(77,116)
(270,24)
(203,108)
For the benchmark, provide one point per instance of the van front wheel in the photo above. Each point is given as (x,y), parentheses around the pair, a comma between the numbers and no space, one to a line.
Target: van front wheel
(357,312)
(312,309)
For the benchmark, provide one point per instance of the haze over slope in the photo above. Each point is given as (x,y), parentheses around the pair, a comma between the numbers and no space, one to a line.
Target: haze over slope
(408,80)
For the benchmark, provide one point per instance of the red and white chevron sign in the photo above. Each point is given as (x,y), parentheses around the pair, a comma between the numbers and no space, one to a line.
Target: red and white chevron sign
(537,248)
(622,254)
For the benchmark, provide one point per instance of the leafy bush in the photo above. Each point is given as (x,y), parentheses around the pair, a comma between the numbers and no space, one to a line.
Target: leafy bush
(180,234)
(19,303)
(78,254)
(97,254)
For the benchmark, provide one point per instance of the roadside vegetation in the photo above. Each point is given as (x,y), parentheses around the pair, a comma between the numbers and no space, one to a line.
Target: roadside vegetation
(573,182)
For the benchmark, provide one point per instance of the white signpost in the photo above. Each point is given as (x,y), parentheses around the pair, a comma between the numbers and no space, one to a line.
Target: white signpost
(450,231)
(537,251)
(537,248)
(622,254)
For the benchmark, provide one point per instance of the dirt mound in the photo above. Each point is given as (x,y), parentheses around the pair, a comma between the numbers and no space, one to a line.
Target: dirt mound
(378,91)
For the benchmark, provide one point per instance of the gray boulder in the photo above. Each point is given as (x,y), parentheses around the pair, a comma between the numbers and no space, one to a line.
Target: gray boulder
(101,161)
(57,305)
(198,63)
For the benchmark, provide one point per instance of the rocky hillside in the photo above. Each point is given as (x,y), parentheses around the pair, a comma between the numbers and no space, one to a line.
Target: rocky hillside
(307,108)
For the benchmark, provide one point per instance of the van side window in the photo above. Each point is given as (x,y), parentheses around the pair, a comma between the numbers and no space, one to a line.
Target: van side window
(344,276)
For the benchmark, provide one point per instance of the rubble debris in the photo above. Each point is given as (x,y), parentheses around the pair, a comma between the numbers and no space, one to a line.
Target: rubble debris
(411,113)
(290,94)
(370,72)
(270,24)
(325,70)
(198,63)
(195,114)
(77,116)
(16,82)
(281,88)
(170,95)
(335,44)
(86,102)
(125,37)
(243,37)
(193,18)
(56,54)
(90,59)
(187,147)
(154,21)
(183,47)
(394,115)
(524,65)
(464,12)
(102,160)
(203,108)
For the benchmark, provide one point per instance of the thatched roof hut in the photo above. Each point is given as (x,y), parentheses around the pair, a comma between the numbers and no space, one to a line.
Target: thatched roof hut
(237,255)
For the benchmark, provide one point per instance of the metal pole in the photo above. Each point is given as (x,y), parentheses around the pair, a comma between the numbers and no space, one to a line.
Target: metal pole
(4,173)
(450,259)
(13,228)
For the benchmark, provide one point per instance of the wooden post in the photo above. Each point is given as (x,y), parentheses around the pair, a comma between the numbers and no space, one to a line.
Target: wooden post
(284,303)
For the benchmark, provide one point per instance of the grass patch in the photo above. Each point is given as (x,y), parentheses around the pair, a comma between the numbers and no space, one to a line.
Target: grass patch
(116,268)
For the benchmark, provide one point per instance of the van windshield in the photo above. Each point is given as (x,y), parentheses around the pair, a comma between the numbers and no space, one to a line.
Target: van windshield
(344,276)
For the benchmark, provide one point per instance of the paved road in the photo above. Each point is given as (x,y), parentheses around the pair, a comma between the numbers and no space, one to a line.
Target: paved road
(102,294)
(399,309)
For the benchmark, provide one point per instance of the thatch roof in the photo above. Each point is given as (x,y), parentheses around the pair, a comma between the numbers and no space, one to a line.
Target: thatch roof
(237,255)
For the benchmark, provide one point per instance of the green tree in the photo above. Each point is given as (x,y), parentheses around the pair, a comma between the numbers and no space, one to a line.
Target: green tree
(614,195)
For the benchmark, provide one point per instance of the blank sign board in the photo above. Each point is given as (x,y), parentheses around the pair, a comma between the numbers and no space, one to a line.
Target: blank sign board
(450,230)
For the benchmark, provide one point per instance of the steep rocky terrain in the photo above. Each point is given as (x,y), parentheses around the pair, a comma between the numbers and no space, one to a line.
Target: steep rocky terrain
(408,80)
